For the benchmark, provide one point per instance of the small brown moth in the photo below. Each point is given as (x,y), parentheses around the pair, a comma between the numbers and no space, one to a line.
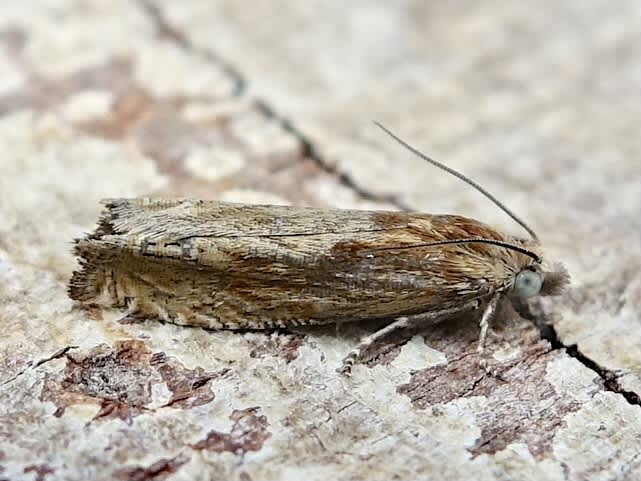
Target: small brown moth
(232,266)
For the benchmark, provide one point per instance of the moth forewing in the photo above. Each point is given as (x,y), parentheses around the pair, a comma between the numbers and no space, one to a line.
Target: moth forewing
(232,266)
(228,272)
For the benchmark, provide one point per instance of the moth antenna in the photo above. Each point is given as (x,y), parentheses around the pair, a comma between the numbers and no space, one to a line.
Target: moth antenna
(465,179)
(475,240)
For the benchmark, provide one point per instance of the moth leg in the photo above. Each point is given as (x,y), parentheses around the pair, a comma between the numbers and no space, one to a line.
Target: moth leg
(485,321)
(133,313)
(369,341)
(424,318)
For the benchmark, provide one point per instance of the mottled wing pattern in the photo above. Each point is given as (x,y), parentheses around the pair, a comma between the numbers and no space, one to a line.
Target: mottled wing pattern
(236,266)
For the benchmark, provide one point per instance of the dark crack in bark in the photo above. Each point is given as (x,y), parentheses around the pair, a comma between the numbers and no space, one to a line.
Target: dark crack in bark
(164,29)
(548,332)
(167,30)
(56,355)
(310,151)
(610,378)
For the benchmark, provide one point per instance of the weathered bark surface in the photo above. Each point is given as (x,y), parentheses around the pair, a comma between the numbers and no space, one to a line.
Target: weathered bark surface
(538,101)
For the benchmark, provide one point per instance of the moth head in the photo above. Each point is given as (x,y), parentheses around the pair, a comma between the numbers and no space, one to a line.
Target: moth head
(533,281)
(555,281)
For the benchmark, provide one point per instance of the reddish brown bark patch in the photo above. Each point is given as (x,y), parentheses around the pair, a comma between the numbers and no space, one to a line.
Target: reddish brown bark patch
(120,380)
(13,39)
(131,105)
(189,387)
(521,405)
(41,471)
(277,344)
(157,471)
(94,312)
(248,433)
(44,94)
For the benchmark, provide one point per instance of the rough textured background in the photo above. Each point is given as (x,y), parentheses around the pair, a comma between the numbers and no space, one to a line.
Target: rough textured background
(539,101)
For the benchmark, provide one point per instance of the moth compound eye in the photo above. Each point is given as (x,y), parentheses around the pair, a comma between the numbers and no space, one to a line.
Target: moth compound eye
(528,283)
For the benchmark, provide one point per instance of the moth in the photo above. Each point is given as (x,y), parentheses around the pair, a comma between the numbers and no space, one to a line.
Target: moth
(221,265)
